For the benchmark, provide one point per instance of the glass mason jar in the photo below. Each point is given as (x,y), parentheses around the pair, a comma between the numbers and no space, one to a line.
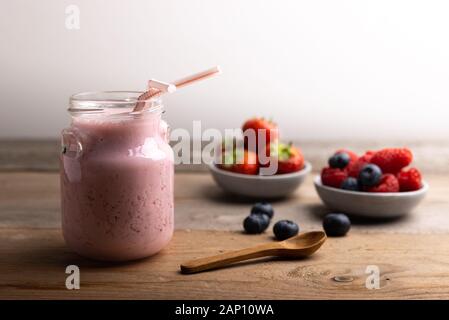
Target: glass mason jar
(116,177)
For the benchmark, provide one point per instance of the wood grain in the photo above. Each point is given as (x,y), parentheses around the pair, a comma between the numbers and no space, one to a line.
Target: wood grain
(411,252)
(34,260)
(31,199)
(431,156)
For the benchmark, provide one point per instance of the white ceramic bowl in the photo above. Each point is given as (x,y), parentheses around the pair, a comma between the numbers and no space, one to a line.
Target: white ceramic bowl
(371,205)
(262,187)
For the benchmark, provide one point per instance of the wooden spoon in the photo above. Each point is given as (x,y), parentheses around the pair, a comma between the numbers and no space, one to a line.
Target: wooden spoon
(299,246)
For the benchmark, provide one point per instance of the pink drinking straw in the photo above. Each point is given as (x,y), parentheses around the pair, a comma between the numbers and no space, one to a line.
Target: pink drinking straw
(162,86)
(157,88)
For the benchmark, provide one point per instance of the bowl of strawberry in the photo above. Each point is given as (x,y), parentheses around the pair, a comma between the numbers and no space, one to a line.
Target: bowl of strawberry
(377,184)
(242,171)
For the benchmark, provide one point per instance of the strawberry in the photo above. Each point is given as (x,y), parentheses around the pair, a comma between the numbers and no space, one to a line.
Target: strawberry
(409,180)
(333,177)
(388,183)
(290,159)
(257,125)
(354,167)
(392,160)
(239,161)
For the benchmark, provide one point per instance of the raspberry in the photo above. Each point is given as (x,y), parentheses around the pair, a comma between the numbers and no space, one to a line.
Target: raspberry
(333,177)
(392,160)
(410,180)
(368,155)
(388,183)
(354,167)
(351,154)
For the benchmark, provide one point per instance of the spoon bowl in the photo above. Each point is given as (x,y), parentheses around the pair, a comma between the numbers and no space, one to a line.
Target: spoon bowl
(303,244)
(299,246)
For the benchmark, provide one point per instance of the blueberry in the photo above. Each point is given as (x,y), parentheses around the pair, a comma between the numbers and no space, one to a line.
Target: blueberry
(285,229)
(350,184)
(370,175)
(339,160)
(263,207)
(256,223)
(336,224)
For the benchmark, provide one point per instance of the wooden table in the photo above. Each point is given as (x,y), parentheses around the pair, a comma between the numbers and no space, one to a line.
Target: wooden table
(412,253)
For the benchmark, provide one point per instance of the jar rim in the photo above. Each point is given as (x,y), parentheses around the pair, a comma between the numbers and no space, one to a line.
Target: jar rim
(111,103)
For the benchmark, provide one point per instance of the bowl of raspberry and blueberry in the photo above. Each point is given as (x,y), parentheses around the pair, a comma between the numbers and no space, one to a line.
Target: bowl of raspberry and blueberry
(376,184)
(244,168)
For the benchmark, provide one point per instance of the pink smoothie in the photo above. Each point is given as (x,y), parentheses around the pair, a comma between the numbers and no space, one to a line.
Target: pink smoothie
(117,187)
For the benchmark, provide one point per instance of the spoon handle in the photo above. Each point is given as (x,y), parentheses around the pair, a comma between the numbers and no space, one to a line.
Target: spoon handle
(226,258)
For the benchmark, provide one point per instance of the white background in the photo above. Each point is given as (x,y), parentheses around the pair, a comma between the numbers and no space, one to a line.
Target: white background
(322,69)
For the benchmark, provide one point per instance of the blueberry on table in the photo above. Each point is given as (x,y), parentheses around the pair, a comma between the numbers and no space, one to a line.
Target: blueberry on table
(339,160)
(263,207)
(336,224)
(285,229)
(370,175)
(256,223)
(350,184)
